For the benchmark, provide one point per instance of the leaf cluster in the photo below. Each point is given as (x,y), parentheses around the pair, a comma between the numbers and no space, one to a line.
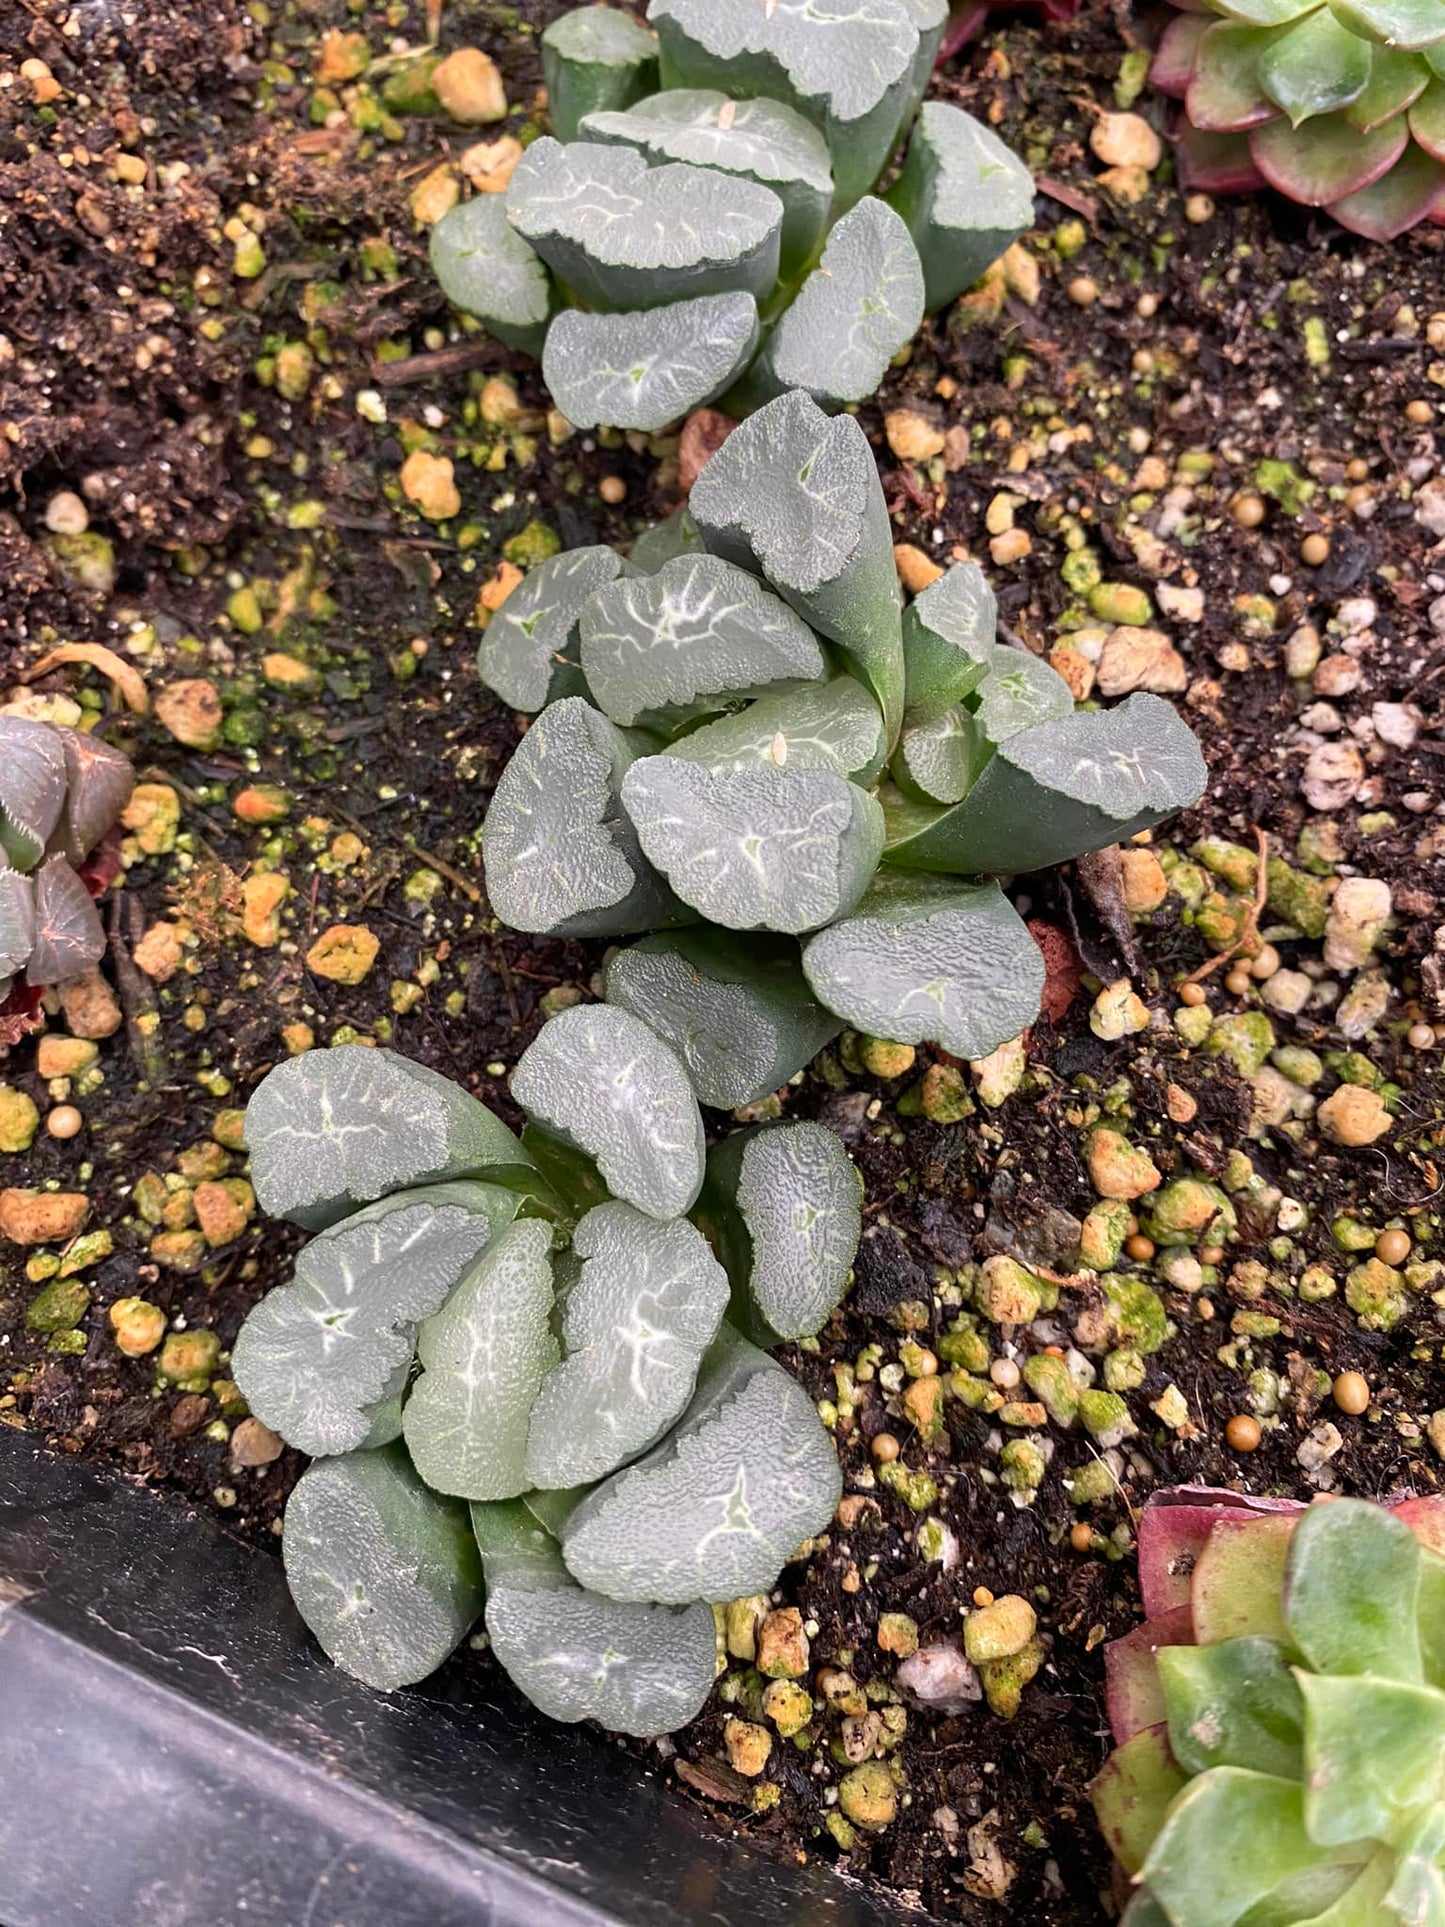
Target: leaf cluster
(701,223)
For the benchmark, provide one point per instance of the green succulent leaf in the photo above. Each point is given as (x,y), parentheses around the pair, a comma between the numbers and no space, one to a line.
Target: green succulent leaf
(1235,1704)
(1265,13)
(1262,1820)
(1374,1755)
(530,651)
(646,369)
(99,781)
(948,639)
(965,196)
(598,1078)
(645,1306)
(735,1009)
(1224,93)
(929,959)
(33,778)
(17,921)
(1327,160)
(834,725)
(1019,692)
(622,234)
(771,849)
(594,59)
(659,648)
(765,140)
(1416,1894)
(1413,189)
(785,1205)
(559,851)
(1396,82)
(334,1129)
(383,1570)
(677,534)
(938,761)
(1351,1591)
(1132,1794)
(1316,67)
(69,936)
(712,1512)
(856,310)
(1237,1587)
(795,494)
(486,269)
(317,1356)
(1411,25)
(484,1357)
(1427,120)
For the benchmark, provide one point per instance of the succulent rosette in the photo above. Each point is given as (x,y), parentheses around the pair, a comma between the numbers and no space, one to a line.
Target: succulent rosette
(1280,1715)
(1338,104)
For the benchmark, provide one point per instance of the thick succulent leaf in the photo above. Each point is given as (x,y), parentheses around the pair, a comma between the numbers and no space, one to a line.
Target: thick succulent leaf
(856,310)
(1224,93)
(69,937)
(965,196)
(1427,120)
(784,1205)
(1435,60)
(33,779)
(1215,163)
(948,639)
(484,1356)
(1235,1704)
(645,369)
(518,1548)
(17,921)
(847,64)
(622,234)
(383,1571)
(1315,67)
(334,1129)
(384,1418)
(559,852)
(735,1009)
(1133,1792)
(756,849)
(600,1079)
(593,59)
(1327,160)
(1412,191)
(645,1306)
(832,725)
(1265,13)
(926,959)
(1396,82)
(938,761)
(99,780)
(486,269)
(676,534)
(316,1356)
(1134,1692)
(1351,1591)
(1261,1819)
(529,652)
(1238,1585)
(1052,792)
(1174,1529)
(1019,692)
(1372,1755)
(713,1512)
(796,495)
(1407,24)
(659,648)
(765,140)
(1416,1894)
(1174,62)
(1144,1910)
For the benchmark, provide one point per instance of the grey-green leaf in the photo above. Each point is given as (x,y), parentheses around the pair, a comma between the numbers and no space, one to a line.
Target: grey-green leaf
(529,652)
(622,234)
(33,779)
(384,1571)
(675,534)
(713,1512)
(17,921)
(1019,692)
(759,849)
(1232,1704)
(929,959)
(1352,1586)
(484,1356)
(658,648)
(735,1009)
(486,269)
(317,1355)
(560,854)
(69,936)
(644,1308)
(600,1079)
(646,369)
(938,760)
(595,58)
(833,725)
(964,195)
(795,494)
(948,639)
(333,1129)
(856,310)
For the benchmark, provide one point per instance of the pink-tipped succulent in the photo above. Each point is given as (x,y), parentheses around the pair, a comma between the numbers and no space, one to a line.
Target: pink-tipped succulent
(1280,1716)
(1339,104)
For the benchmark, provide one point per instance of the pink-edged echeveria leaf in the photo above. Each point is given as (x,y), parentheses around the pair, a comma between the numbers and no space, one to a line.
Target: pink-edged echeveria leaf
(1412,191)
(1328,159)
(1239,1579)
(1133,1692)
(1174,62)
(1427,120)
(1316,67)
(1224,91)
(1215,163)
(1133,1792)
(1410,24)
(1396,82)
(1173,1530)
(1266,13)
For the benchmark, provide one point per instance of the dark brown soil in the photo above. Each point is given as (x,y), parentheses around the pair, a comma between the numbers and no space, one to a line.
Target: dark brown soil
(193,466)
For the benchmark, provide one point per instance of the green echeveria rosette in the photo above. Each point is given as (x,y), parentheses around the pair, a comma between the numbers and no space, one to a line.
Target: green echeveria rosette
(1338,104)
(1280,1716)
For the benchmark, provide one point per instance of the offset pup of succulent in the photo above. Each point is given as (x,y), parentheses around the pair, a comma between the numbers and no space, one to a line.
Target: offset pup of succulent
(60,791)
(520,1368)
(741,732)
(1280,1715)
(1339,104)
(720,237)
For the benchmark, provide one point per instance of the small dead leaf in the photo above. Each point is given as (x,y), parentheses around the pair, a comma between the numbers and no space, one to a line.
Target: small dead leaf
(128,681)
